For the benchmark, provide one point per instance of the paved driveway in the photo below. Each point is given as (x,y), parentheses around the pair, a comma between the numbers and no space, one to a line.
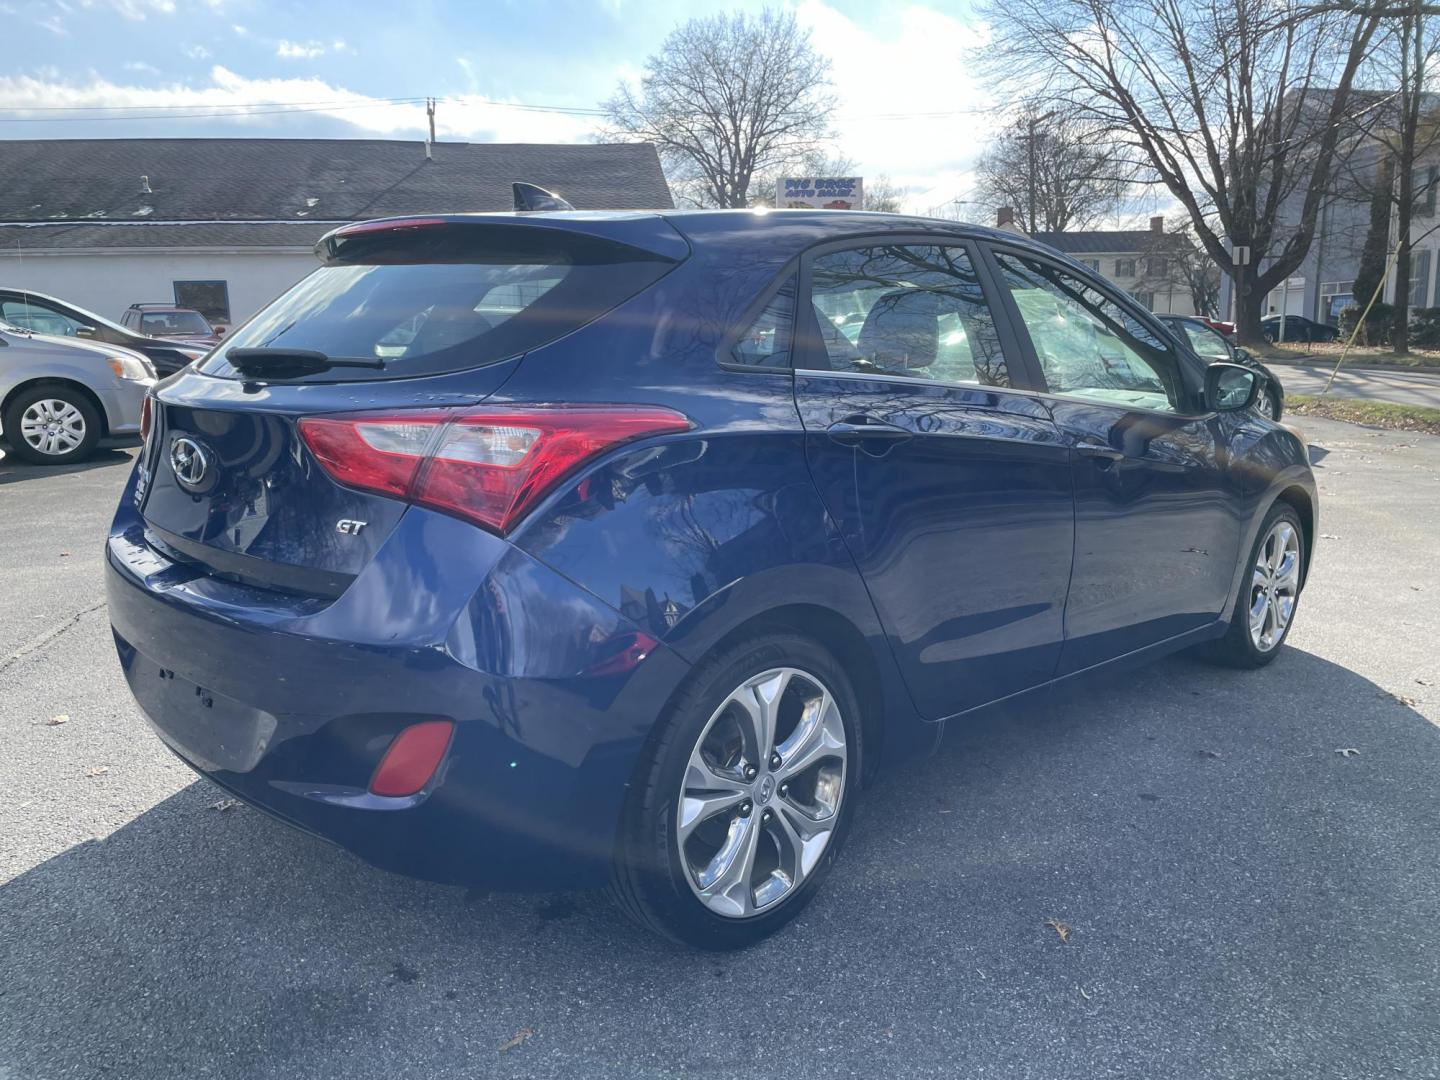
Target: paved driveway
(1243,900)
(1400,387)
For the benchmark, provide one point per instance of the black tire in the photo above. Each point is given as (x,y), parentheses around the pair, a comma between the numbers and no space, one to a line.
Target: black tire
(650,883)
(1237,649)
(70,396)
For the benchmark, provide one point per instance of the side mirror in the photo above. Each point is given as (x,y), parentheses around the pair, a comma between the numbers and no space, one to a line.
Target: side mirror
(1229,387)
(85,331)
(219,331)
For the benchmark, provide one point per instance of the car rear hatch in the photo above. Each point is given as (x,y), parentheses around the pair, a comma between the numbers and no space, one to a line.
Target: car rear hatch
(417,316)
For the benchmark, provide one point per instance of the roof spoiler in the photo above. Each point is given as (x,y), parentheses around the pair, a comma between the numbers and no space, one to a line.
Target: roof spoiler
(530,197)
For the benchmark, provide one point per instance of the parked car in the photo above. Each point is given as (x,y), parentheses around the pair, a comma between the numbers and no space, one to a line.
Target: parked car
(1211,345)
(60,396)
(57,318)
(1226,328)
(1297,328)
(169,321)
(643,582)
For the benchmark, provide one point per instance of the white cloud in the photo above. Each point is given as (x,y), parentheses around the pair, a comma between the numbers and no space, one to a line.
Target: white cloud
(198,52)
(917,63)
(460,118)
(141,67)
(238,30)
(292,50)
(138,10)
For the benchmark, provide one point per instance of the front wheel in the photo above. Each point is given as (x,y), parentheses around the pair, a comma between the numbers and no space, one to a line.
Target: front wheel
(1269,593)
(51,425)
(745,797)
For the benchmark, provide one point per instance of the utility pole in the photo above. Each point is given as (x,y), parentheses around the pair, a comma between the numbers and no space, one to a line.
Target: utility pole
(430,113)
(1031,125)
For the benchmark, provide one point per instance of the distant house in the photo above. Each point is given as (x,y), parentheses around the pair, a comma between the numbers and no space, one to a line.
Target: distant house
(224,225)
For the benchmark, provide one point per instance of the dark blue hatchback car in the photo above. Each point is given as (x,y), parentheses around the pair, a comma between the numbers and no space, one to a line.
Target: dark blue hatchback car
(557,550)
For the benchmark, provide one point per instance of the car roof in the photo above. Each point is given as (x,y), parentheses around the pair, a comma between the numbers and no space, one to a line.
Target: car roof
(784,232)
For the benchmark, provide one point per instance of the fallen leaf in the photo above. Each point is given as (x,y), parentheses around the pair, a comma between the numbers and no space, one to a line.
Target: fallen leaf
(225,804)
(98,770)
(1423,682)
(64,554)
(1328,536)
(1209,753)
(520,1038)
(56,721)
(1063,929)
(1347,751)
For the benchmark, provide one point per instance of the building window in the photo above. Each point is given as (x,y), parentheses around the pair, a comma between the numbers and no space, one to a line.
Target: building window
(210,298)
(1420,278)
(1144,297)
(1424,181)
(1156,267)
(1124,268)
(1091,264)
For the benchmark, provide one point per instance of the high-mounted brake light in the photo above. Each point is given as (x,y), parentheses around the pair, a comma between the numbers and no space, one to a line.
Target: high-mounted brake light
(488,465)
(388,225)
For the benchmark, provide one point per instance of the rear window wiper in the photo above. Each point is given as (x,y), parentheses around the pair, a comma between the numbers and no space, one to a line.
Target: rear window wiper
(280,363)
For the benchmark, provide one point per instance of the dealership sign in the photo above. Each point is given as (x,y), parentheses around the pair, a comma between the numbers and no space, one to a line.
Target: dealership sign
(820,192)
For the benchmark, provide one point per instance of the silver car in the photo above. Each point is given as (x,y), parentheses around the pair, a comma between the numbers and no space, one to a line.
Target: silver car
(60,396)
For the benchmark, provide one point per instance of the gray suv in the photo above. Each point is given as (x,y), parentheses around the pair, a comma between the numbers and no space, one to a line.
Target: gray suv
(60,396)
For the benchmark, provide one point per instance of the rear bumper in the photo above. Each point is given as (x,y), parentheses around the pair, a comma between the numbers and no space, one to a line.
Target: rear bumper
(289,702)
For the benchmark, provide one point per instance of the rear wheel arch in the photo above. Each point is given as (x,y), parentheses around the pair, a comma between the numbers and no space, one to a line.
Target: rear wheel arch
(67,384)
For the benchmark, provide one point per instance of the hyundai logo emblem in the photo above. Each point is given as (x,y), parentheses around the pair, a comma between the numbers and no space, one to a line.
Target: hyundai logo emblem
(190,462)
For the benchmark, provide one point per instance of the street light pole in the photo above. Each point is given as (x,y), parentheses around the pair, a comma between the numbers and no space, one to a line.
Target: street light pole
(1031,125)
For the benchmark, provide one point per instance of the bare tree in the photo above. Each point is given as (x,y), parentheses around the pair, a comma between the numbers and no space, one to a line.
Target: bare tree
(1218,97)
(1174,262)
(883,195)
(725,99)
(1071,170)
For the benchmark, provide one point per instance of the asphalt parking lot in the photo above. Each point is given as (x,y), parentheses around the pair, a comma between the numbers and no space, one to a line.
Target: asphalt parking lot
(1242,899)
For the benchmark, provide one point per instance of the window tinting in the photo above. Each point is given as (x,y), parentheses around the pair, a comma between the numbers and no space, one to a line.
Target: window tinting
(1089,346)
(447,300)
(766,342)
(906,310)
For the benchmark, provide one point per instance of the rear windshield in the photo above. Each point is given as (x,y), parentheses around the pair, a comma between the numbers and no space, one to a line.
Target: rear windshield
(434,304)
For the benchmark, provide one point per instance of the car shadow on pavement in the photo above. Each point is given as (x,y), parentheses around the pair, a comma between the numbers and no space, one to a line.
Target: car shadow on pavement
(14,471)
(1178,871)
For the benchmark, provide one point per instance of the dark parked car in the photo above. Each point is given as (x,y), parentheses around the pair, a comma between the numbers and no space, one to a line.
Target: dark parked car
(169,321)
(1212,345)
(557,550)
(47,315)
(1297,328)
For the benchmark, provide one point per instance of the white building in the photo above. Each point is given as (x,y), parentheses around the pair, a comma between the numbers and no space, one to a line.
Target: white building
(224,225)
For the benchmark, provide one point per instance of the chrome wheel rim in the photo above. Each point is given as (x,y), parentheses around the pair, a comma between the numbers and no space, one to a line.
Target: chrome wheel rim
(761,794)
(1274,586)
(52,426)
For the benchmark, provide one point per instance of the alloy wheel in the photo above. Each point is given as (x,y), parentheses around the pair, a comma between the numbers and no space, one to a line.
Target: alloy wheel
(761,793)
(52,426)
(1274,586)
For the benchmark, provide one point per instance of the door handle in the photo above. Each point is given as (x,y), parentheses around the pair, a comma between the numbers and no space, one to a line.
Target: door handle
(1099,451)
(848,433)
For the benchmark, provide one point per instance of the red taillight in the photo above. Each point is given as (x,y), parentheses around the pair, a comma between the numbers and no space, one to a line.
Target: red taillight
(489,465)
(412,758)
(146,419)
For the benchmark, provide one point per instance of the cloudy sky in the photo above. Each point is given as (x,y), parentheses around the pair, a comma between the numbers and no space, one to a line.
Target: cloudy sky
(910,106)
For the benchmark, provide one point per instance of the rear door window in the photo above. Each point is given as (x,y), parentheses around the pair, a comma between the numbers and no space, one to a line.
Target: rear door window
(913,310)
(461,298)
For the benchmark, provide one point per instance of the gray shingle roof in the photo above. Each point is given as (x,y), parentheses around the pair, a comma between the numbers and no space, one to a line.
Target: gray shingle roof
(223,234)
(296,179)
(1106,241)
